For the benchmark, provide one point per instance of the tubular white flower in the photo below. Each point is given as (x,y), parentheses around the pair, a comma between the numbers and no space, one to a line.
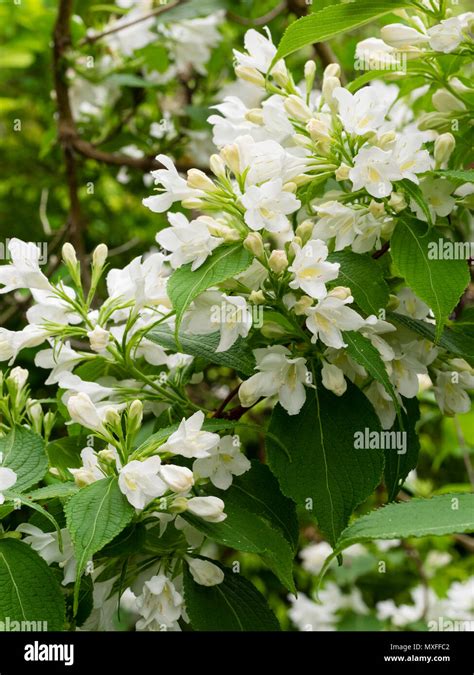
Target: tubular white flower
(24,269)
(362,112)
(374,169)
(8,479)
(177,478)
(226,461)
(311,269)
(175,187)
(140,482)
(189,440)
(90,470)
(267,206)
(330,317)
(187,241)
(204,572)
(207,508)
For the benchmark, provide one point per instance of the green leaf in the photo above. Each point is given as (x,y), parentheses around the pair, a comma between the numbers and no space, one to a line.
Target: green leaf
(23,452)
(23,499)
(364,276)
(444,514)
(184,285)
(325,473)
(259,520)
(440,283)
(239,356)
(414,192)
(30,591)
(399,464)
(95,516)
(61,490)
(233,605)
(362,351)
(331,21)
(458,343)
(466,176)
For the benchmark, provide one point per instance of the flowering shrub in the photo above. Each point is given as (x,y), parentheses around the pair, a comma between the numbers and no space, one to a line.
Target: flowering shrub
(319,265)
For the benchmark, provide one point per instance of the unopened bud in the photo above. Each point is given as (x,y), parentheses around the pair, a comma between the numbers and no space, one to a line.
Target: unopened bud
(302,305)
(98,338)
(254,244)
(108,455)
(397,201)
(278,262)
(305,230)
(99,256)
(329,85)
(290,187)
(255,115)
(217,166)
(443,148)
(342,172)
(377,209)
(340,292)
(178,505)
(272,330)
(444,101)
(310,69)
(231,156)
(279,73)
(135,416)
(192,203)
(69,254)
(332,70)
(297,108)
(250,75)
(198,180)
(386,140)
(434,120)
(257,297)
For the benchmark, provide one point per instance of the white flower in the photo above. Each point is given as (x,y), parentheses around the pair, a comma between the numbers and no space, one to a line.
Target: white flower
(207,508)
(226,461)
(362,112)
(126,39)
(140,481)
(266,160)
(260,51)
(401,36)
(279,374)
(90,470)
(437,196)
(212,311)
(18,376)
(336,220)
(177,478)
(188,241)
(307,615)
(330,317)
(47,546)
(12,342)
(140,283)
(373,53)
(48,307)
(8,479)
(24,269)
(60,359)
(268,205)
(451,391)
(193,40)
(374,169)
(333,378)
(382,403)
(446,36)
(74,385)
(99,338)
(311,270)
(160,605)
(189,440)
(83,411)
(408,157)
(175,187)
(204,572)
(424,605)
(314,556)
(411,305)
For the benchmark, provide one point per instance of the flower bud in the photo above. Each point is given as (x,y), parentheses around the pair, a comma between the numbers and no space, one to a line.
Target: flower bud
(69,254)
(279,73)
(434,120)
(333,378)
(98,338)
(135,416)
(192,203)
(18,377)
(305,230)
(386,139)
(302,305)
(278,262)
(297,108)
(254,244)
(48,423)
(377,209)
(178,505)
(290,187)
(444,101)
(397,201)
(177,478)
(340,292)
(108,455)
(342,172)
(443,148)
(255,115)
(204,572)
(207,508)
(393,302)
(257,297)
(100,256)
(35,413)
(329,85)
(250,75)
(399,35)
(231,156)
(217,166)
(217,229)
(112,417)
(198,180)
(271,330)
(332,70)
(310,69)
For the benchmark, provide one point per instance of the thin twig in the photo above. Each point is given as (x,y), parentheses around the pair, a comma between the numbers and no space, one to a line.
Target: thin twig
(259,20)
(43,214)
(91,39)
(228,399)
